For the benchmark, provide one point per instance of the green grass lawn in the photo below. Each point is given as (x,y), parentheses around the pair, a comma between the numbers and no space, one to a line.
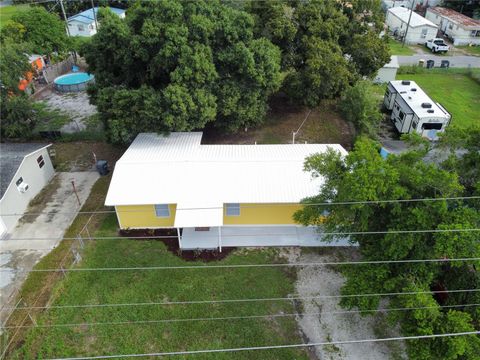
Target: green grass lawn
(6,12)
(458,93)
(161,286)
(397,49)
(473,50)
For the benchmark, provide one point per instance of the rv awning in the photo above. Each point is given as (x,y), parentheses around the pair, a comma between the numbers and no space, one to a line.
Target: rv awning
(195,215)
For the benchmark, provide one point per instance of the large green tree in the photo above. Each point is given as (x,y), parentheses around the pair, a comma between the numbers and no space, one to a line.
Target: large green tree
(175,65)
(44,31)
(363,175)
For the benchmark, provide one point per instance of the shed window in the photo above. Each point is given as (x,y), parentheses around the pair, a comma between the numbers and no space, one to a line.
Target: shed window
(40,161)
(432,126)
(450,26)
(19,181)
(424,33)
(81,28)
(402,115)
(233,209)
(162,210)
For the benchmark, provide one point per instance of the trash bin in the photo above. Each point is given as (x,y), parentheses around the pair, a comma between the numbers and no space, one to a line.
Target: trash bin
(421,62)
(102,167)
(430,64)
(445,64)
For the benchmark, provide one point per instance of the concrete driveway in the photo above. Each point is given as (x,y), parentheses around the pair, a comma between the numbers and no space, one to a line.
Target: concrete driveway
(459,61)
(59,210)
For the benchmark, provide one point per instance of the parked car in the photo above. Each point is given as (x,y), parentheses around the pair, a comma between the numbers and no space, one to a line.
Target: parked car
(437,45)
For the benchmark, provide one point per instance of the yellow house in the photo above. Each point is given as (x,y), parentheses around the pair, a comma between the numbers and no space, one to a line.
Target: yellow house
(215,195)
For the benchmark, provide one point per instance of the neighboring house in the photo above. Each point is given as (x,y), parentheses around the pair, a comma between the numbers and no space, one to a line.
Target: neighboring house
(25,169)
(414,111)
(388,72)
(458,27)
(387,4)
(216,195)
(83,24)
(419,30)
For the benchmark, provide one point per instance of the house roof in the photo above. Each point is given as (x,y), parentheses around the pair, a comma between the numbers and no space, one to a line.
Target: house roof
(416,20)
(455,16)
(11,156)
(415,99)
(88,16)
(178,169)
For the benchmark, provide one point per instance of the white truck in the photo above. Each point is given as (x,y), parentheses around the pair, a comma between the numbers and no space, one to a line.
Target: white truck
(437,45)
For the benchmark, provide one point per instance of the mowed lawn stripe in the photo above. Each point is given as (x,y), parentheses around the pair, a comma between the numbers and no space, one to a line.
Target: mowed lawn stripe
(146,286)
(458,93)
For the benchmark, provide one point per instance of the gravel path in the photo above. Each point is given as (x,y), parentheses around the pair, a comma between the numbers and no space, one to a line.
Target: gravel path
(313,281)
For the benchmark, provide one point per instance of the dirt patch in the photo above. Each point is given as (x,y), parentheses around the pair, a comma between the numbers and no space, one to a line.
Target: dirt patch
(79,155)
(324,125)
(164,235)
(75,105)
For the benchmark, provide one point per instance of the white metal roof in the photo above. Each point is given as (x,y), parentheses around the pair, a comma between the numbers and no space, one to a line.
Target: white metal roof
(177,169)
(416,20)
(415,99)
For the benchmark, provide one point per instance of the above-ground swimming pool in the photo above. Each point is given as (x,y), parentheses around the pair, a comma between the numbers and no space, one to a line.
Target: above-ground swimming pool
(73,82)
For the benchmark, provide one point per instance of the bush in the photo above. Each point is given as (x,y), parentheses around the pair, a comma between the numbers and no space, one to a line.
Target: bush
(360,107)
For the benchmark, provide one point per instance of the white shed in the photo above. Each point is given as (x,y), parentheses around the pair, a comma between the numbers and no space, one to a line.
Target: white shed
(83,24)
(388,72)
(458,27)
(25,169)
(419,30)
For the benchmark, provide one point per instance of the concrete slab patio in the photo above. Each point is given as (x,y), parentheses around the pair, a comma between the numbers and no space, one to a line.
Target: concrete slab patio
(58,212)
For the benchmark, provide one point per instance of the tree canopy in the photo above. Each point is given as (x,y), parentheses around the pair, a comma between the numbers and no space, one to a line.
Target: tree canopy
(363,175)
(174,65)
(44,31)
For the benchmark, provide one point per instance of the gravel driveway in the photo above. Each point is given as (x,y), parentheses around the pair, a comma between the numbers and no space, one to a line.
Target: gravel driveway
(61,208)
(328,326)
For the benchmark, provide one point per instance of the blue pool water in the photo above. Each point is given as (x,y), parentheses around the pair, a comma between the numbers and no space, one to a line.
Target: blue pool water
(73,79)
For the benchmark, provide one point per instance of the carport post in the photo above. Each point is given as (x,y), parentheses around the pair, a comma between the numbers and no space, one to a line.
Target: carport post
(220,238)
(179,239)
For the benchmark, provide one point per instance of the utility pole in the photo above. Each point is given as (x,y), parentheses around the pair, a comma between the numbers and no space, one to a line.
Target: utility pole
(94,16)
(65,17)
(408,24)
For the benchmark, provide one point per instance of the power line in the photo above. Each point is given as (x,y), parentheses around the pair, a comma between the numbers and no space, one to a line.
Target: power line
(263,265)
(266,316)
(333,203)
(245,300)
(270,347)
(248,235)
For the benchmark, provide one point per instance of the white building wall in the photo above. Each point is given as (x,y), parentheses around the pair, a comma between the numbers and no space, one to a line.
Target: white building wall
(15,202)
(415,35)
(77,28)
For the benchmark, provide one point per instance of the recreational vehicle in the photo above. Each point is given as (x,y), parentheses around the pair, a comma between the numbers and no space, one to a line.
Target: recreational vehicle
(414,111)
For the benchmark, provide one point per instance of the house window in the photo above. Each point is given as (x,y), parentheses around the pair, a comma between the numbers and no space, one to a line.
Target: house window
(424,33)
(81,28)
(474,33)
(233,209)
(402,115)
(162,210)
(40,161)
(19,181)
(450,26)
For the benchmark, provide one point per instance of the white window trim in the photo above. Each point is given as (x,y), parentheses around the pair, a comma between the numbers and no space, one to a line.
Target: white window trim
(230,206)
(156,211)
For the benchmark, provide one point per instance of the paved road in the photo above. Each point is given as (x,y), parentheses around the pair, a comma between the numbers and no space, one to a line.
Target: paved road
(459,61)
